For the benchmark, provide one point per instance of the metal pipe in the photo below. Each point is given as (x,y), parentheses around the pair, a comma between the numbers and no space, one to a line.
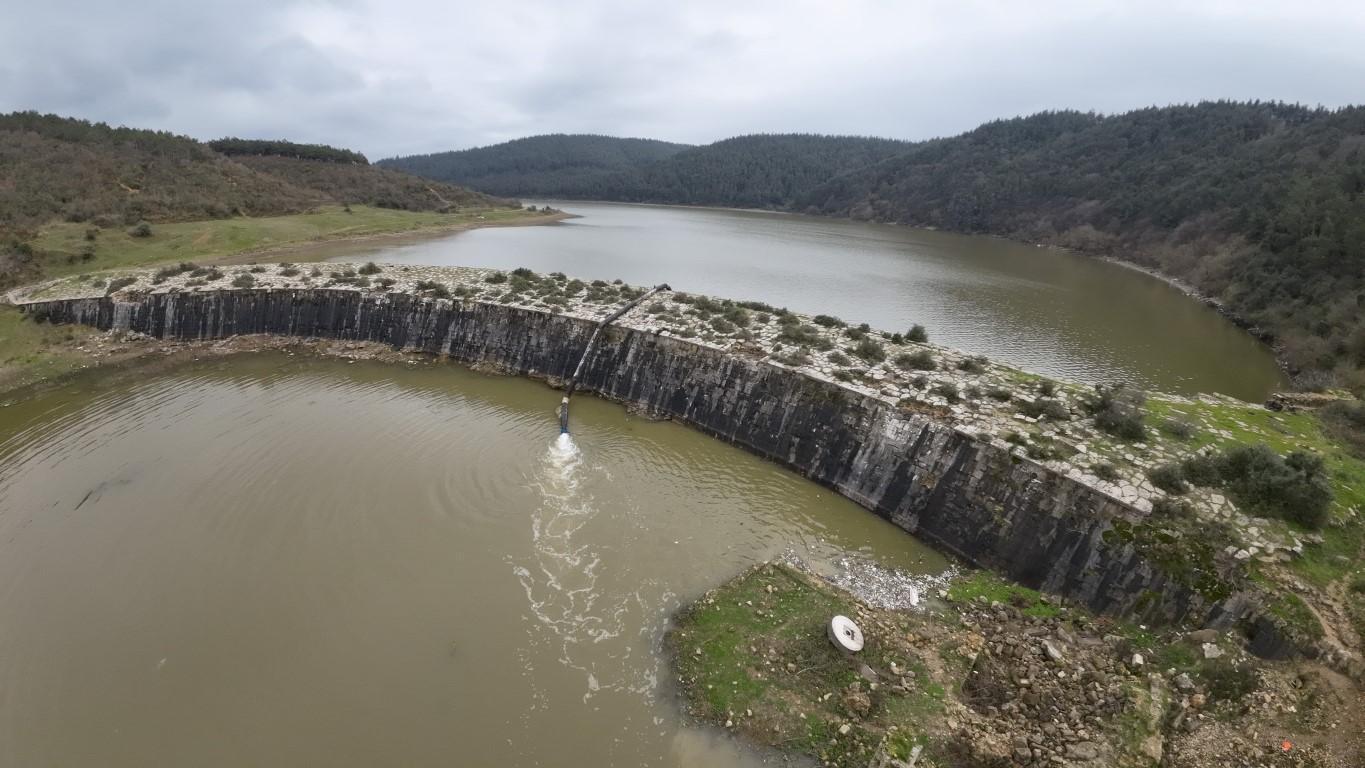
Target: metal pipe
(592,345)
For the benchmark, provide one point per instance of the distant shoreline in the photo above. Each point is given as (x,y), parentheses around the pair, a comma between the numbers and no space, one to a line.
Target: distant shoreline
(246,257)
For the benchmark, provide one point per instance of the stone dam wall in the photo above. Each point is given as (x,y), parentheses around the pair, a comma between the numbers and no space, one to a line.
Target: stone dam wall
(960,493)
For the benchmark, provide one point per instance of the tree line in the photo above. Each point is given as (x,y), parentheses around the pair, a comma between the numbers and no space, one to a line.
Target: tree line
(1256,204)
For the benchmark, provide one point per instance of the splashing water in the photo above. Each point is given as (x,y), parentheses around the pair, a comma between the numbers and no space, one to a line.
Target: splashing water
(561,581)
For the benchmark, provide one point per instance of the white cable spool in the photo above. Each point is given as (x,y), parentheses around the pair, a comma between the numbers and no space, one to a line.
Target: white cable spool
(845,634)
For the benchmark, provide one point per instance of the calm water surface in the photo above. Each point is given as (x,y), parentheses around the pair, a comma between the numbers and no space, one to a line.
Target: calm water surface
(1042,309)
(273,561)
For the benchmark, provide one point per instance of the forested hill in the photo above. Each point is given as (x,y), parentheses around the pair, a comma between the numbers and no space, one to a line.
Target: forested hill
(57,168)
(1259,205)
(759,171)
(555,165)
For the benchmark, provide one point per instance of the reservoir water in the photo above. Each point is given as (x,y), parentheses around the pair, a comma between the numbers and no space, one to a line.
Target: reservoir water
(266,560)
(1042,309)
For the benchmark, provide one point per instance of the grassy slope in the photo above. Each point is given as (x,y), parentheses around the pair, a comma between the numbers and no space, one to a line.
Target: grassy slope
(224,238)
(29,352)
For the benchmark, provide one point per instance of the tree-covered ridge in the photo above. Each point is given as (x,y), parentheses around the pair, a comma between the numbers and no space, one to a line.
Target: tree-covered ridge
(553,165)
(57,168)
(61,168)
(279,148)
(370,185)
(1256,204)
(756,171)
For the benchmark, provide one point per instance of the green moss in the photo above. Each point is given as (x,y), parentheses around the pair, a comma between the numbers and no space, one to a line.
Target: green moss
(754,653)
(1290,608)
(994,589)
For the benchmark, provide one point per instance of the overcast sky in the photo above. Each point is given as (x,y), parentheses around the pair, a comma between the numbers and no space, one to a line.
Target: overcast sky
(402,76)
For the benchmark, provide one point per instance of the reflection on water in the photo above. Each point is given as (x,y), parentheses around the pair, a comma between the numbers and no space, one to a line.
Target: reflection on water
(270,561)
(1043,309)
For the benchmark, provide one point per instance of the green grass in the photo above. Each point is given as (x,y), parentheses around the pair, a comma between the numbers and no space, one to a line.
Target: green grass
(984,584)
(62,243)
(30,351)
(755,653)
(1285,432)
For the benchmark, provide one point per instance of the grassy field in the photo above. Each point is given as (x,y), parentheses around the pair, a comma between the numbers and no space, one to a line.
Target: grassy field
(65,248)
(31,352)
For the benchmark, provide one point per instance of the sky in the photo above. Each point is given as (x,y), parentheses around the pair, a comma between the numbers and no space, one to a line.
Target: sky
(390,77)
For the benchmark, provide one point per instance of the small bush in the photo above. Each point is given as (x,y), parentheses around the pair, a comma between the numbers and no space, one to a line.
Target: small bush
(948,391)
(721,325)
(1227,680)
(737,315)
(288,270)
(839,358)
(922,360)
(525,273)
(315,272)
(1345,421)
(1180,429)
(917,334)
(1358,584)
(1169,478)
(1172,508)
(370,268)
(118,284)
(801,335)
(243,280)
(828,321)
(973,365)
(496,277)
(385,282)
(858,333)
(921,381)
(1047,388)
(140,229)
(1118,410)
(91,233)
(1293,487)
(1106,472)
(796,357)
(870,350)
(1054,410)
(1000,393)
(433,288)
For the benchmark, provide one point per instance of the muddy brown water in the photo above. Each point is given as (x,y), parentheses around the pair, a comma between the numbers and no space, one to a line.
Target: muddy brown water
(269,560)
(1043,309)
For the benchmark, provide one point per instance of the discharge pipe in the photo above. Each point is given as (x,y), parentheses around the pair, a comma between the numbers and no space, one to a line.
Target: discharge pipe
(592,345)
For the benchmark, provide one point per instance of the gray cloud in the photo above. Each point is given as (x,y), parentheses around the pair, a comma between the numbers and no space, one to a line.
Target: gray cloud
(391,77)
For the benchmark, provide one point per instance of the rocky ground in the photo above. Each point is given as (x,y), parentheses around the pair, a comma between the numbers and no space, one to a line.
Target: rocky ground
(982,673)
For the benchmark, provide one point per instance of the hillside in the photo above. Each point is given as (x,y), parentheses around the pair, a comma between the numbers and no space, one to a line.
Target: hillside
(56,168)
(1258,205)
(759,171)
(555,165)
(368,184)
(59,168)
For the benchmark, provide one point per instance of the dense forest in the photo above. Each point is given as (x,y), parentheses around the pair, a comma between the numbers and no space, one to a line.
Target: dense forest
(555,165)
(760,171)
(73,170)
(1258,205)
(279,148)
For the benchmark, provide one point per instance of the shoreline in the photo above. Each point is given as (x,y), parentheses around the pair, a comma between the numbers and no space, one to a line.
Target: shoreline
(1257,332)
(246,257)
